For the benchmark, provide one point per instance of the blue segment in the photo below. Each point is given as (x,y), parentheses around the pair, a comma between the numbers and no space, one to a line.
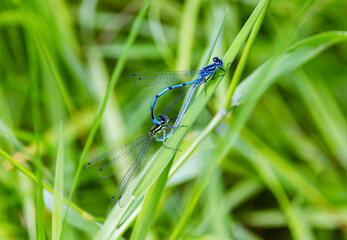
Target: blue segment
(154,120)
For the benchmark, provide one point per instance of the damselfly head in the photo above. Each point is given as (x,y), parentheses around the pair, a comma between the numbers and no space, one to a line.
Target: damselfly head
(218,62)
(163,119)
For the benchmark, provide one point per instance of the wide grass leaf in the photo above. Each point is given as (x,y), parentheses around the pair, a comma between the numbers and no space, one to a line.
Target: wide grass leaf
(295,56)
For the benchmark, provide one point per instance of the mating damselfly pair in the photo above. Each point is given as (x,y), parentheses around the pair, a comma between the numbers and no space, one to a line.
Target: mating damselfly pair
(130,160)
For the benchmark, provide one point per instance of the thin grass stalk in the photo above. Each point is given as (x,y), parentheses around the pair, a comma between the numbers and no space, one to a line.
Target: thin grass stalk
(149,207)
(58,194)
(243,60)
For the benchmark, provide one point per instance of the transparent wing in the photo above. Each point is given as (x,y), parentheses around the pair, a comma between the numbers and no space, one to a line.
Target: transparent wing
(186,105)
(127,185)
(174,103)
(118,160)
(160,80)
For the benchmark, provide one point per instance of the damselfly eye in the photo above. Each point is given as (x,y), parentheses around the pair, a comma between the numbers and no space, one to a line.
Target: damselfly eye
(215,59)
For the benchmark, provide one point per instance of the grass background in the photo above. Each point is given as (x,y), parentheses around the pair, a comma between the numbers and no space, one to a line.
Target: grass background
(263,159)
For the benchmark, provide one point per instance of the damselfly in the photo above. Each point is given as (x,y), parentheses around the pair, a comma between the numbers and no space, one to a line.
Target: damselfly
(170,80)
(130,160)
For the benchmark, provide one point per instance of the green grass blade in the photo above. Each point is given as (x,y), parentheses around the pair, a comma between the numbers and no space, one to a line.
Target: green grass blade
(187,31)
(193,201)
(50,64)
(310,48)
(297,55)
(118,215)
(165,155)
(58,194)
(130,216)
(84,214)
(293,58)
(326,113)
(28,188)
(244,57)
(206,176)
(255,85)
(269,165)
(6,133)
(114,79)
(112,221)
(269,177)
(152,197)
(150,204)
(236,78)
(158,34)
(215,39)
(33,73)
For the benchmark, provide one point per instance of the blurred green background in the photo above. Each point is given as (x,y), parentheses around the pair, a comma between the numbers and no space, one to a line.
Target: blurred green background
(283,175)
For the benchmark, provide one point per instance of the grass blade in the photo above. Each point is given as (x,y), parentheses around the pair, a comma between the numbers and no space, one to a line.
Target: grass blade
(165,155)
(326,114)
(33,75)
(152,197)
(291,59)
(150,204)
(295,56)
(215,39)
(207,176)
(187,31)
(112,221)
(84,214)
(57,215)
(249,146)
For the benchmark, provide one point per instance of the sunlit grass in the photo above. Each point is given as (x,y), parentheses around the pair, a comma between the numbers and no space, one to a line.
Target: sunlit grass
(264,155)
